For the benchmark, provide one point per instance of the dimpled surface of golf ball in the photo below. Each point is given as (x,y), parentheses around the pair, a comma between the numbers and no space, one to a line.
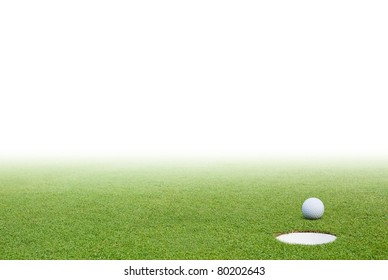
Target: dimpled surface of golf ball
(313,208)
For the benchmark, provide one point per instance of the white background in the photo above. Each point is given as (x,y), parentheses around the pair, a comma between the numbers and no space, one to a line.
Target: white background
(275,270)
(193,78)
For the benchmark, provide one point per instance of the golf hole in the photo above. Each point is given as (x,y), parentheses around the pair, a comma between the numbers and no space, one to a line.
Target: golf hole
(306,238)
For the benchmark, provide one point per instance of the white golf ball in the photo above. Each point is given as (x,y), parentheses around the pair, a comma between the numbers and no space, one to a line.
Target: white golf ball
(313,208)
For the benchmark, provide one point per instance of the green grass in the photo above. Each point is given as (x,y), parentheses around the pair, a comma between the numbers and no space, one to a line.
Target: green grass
(212,212)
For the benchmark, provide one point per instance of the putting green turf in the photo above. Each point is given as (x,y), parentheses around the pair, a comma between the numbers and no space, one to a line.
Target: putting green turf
(224,211)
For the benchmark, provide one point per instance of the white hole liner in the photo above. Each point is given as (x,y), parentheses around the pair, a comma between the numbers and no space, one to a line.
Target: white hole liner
(306,238)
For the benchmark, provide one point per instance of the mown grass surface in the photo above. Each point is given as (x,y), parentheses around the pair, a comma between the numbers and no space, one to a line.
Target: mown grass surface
(180,212)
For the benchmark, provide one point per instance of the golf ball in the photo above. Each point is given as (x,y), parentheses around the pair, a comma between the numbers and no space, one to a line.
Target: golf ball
(313,208)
